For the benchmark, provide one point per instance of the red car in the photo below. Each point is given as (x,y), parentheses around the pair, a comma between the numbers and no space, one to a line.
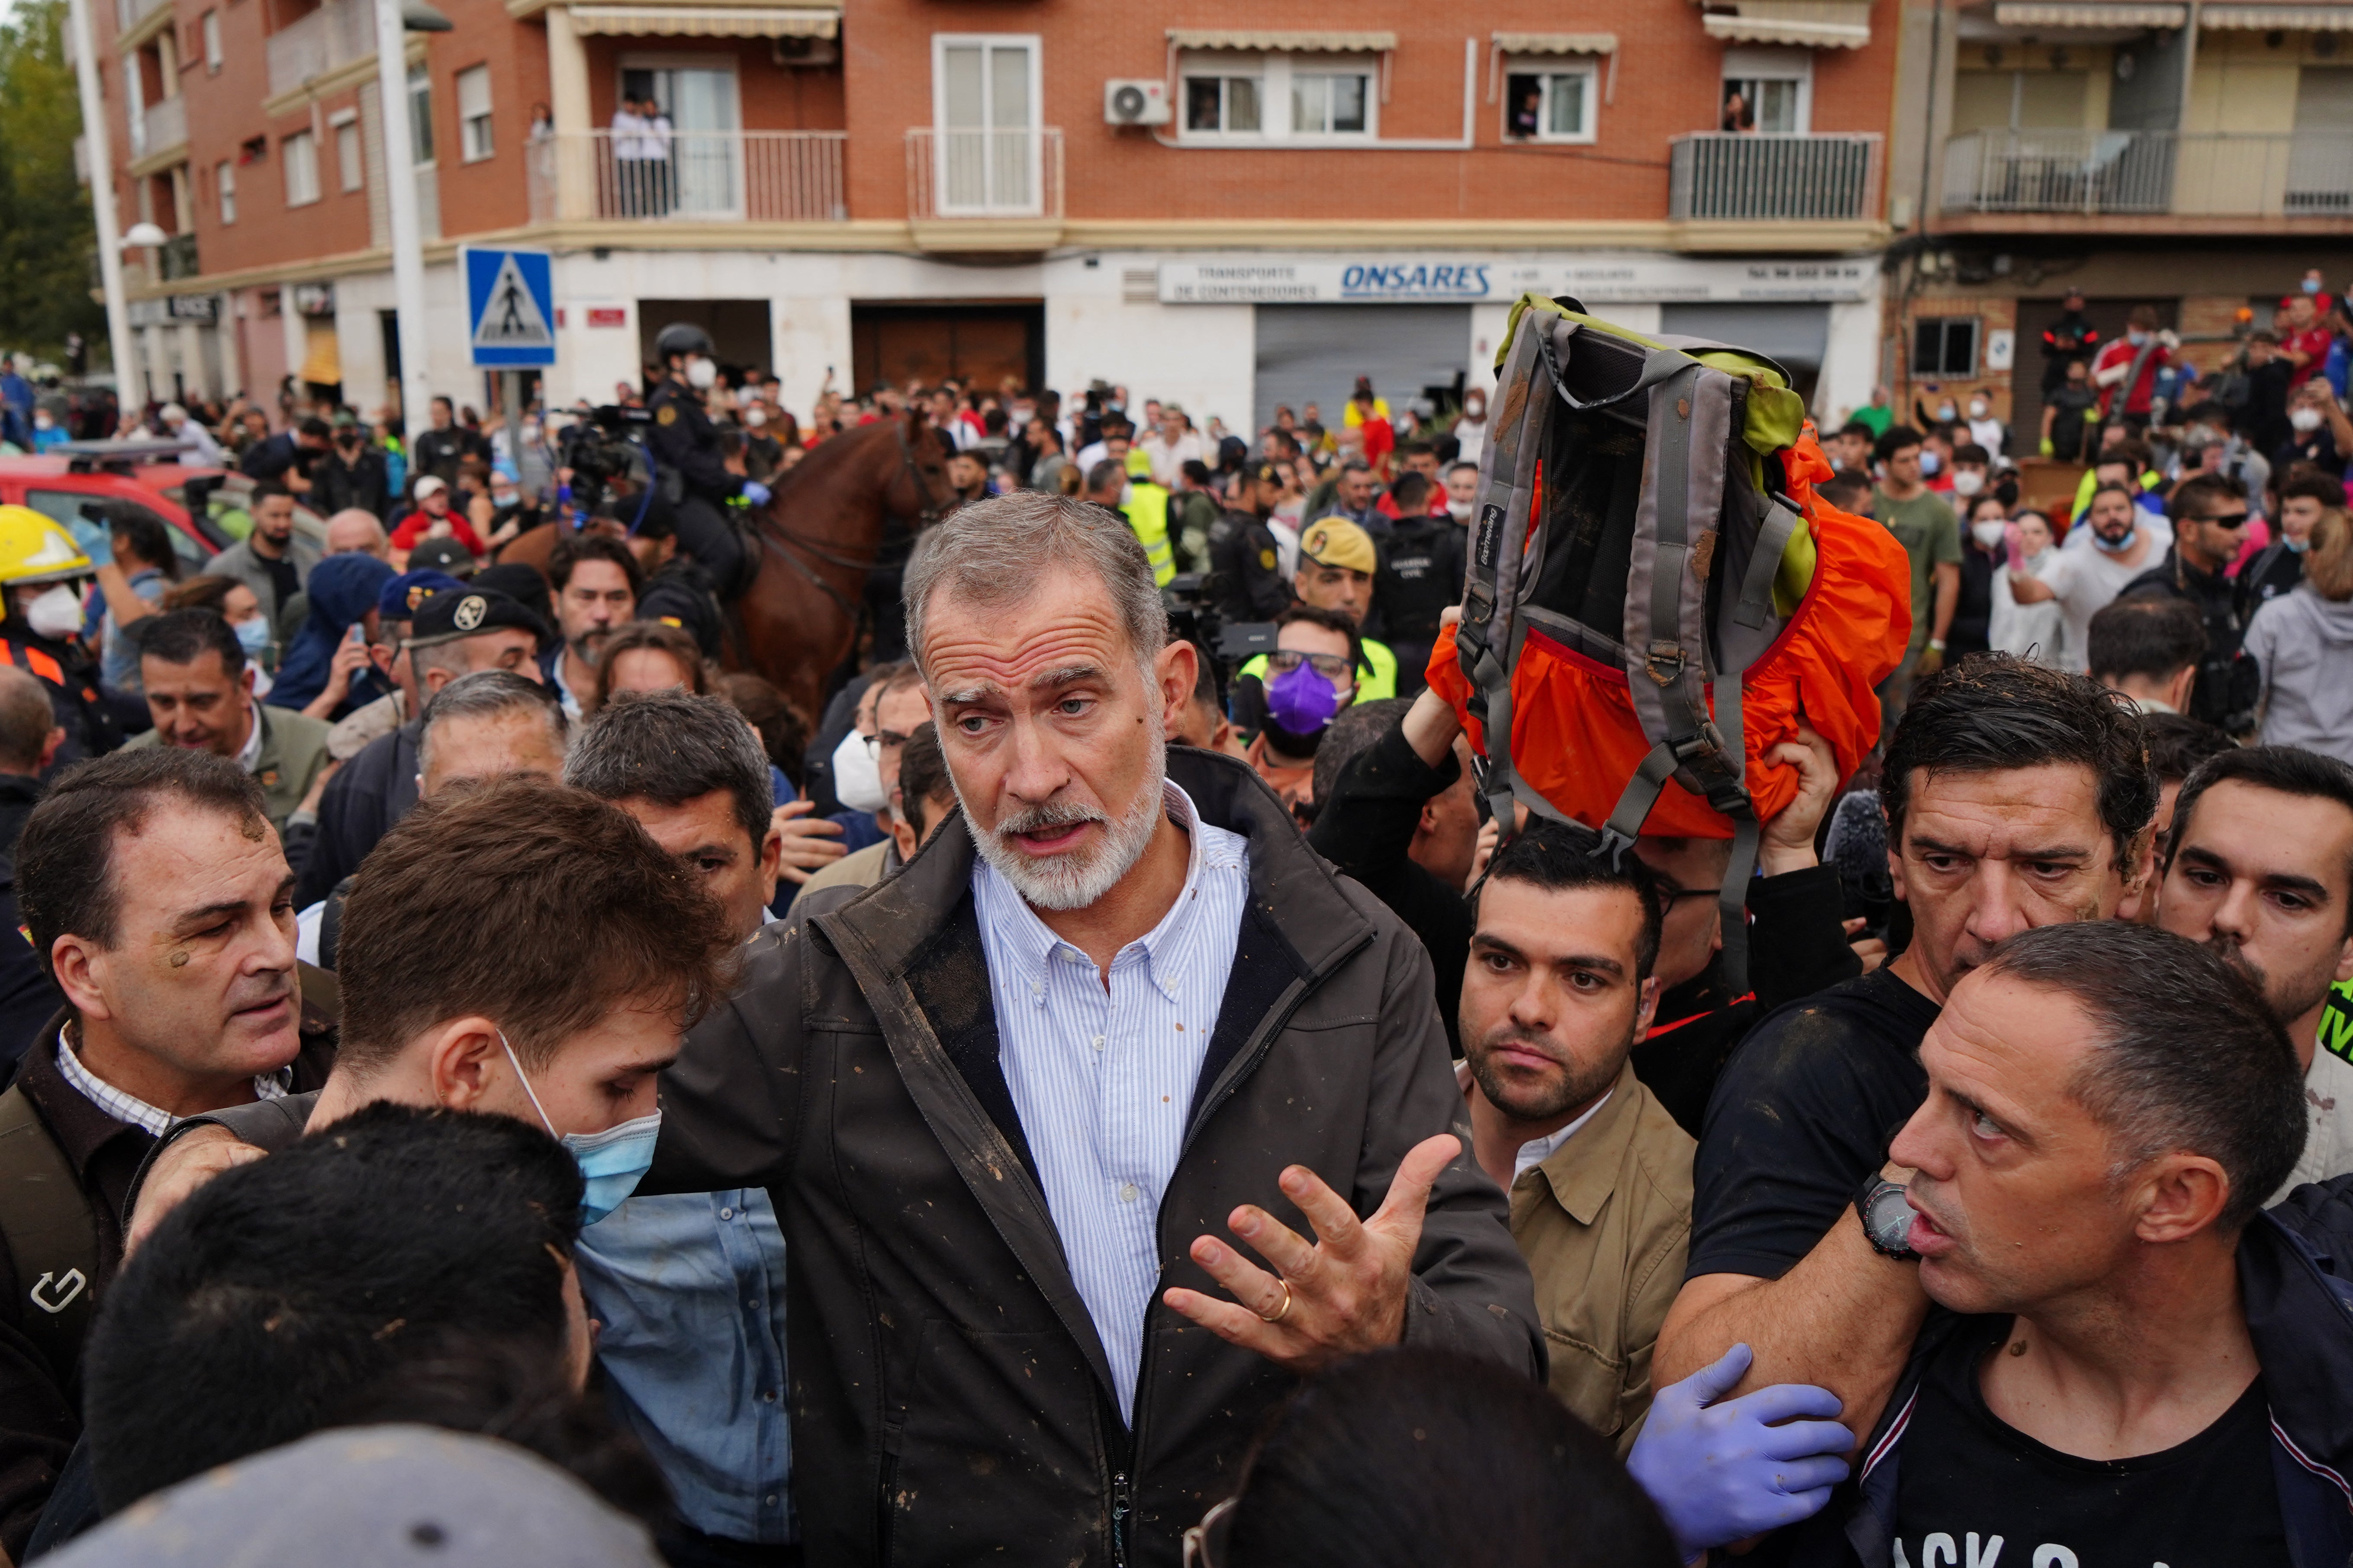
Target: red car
(142,474)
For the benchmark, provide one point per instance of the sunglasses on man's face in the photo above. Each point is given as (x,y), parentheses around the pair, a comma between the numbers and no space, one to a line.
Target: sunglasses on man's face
(2229,520)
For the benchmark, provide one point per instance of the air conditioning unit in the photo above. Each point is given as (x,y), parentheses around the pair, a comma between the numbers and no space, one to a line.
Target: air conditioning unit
(1135,102)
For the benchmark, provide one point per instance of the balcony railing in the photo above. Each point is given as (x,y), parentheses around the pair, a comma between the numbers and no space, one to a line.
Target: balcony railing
(336,34)
(166,126)
(1014,172)
(128,13)
(756,176)
(2125,173)
(1795,179)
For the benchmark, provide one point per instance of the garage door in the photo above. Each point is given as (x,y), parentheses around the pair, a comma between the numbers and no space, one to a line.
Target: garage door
(1313,353)
(1795,335)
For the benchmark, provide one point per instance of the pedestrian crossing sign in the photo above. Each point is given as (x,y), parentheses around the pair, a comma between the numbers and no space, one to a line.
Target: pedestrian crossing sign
(510,308)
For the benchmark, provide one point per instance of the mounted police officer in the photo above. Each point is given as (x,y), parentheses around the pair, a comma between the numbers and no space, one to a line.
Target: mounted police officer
(685,445)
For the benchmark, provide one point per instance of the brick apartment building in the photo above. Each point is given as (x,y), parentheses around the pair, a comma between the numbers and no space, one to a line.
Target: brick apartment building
(2193,157)
(1175,197)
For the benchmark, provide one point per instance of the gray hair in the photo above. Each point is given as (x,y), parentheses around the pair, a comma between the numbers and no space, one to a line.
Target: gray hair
(673,747)
(990,553)
(486,694)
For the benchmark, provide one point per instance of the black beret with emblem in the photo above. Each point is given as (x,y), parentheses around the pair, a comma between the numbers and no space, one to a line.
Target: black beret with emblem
(456,613)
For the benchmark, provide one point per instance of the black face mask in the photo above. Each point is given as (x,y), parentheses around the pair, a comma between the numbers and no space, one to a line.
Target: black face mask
(1292,744)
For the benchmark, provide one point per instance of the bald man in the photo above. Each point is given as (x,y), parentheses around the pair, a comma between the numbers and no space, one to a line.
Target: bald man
(354,530)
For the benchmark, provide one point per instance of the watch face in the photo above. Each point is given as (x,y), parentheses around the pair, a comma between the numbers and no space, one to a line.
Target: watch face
(1889,1217)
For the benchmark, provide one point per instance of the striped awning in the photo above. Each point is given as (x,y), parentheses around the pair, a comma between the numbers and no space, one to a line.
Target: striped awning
(1808,24)
(1282,42)
(2070,13)
(705,22)
(2279,19)
(1557,43)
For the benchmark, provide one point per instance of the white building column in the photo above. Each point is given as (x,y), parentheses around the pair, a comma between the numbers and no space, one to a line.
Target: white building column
(232,358)
(192,360)
(567,101)
(1850,358)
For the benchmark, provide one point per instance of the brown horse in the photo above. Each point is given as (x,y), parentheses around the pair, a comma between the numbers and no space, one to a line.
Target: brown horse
(822,534)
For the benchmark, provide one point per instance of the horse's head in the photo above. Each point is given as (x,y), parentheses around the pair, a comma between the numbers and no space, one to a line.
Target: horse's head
(921,489)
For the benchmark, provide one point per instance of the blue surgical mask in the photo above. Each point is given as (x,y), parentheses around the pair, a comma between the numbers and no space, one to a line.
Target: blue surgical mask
(1930,462)
(2121,546)
(2312,285)
(2295,546)
(612,1162)
(253,636)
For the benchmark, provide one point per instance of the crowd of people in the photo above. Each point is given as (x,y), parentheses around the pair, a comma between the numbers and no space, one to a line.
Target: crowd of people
(1100,1092)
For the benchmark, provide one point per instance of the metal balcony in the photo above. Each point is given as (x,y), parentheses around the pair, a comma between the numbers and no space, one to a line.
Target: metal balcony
(1723,176)
(752,176)
(165,125)
(2098,173)
(336,34)
(996,173)
(175,258)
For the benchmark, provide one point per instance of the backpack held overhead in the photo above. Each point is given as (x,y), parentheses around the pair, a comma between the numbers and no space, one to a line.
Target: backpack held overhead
(1656,598)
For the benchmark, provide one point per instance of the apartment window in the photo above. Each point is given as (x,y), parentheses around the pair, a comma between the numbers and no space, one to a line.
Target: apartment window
(210,28)
(1767,91)
(420,116)
(300,152)
(1945,346)
(1221,103)
(1554,104)
(474,113)
(1278,96)
(985,108)
(1329,103)
(351,173)
(225,183)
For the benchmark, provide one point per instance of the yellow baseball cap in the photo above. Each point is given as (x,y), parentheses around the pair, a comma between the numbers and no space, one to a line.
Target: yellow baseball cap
(1336,542)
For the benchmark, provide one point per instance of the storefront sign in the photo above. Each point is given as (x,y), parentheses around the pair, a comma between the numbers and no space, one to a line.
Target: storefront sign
(194,307)
(1473,279)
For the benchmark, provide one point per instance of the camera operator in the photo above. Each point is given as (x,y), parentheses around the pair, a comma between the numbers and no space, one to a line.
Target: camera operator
(685,445)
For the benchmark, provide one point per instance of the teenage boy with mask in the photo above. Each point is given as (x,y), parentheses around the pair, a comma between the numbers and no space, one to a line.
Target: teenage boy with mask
(1931,536)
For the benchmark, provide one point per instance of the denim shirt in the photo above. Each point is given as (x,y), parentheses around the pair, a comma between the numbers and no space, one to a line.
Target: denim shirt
(691,1291)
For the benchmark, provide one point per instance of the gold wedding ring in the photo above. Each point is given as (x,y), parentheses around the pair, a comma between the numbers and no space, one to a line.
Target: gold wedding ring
(1283,1312)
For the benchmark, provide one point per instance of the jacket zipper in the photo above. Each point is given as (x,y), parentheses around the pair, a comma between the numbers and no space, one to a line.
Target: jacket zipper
(1122,1503)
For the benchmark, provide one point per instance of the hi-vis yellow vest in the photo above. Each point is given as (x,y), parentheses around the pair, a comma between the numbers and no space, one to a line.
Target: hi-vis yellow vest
(1376,675)
(1147,514)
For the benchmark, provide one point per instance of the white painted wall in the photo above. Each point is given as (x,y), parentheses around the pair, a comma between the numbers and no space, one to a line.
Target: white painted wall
(1850,359)
(1202,356)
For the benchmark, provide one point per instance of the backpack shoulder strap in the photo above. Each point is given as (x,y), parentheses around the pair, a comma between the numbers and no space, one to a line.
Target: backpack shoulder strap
(46,1220)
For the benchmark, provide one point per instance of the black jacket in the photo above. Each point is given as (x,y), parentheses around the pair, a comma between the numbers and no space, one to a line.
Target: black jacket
(685,445)
(951,1398)
(365,483)
(373,791)
(2296,1283)
(440,452)
(1251,586)
(1423,562)
(2228,681)
(71,676)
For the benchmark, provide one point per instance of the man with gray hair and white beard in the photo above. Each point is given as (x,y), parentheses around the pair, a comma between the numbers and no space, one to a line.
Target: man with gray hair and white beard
(1011,1101)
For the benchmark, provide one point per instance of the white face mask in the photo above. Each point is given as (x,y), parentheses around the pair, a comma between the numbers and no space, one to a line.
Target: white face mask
(56,613)
(1990,534)
(1968,481)
(858,775)
(701,373)
(1459,509)
(756,418)
(1978,409)
(2305,419)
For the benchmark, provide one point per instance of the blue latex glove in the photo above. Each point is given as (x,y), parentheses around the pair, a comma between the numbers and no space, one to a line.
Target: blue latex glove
(756,492)
(1721,1473)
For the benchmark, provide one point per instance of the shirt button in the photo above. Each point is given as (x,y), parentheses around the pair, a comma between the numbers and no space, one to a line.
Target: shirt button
(1127,1191)
(770,1500)
(768,1397)
(1098,1042)
(726,1213)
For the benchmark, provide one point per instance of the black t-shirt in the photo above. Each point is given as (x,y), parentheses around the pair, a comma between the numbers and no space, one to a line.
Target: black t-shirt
(284,581)
(1969,1485)
(1804,1108)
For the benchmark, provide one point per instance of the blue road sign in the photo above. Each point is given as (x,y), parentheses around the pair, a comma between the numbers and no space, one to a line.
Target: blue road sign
(510,308)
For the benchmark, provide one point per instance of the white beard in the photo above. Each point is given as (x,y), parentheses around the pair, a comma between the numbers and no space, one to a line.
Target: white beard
(1076,878)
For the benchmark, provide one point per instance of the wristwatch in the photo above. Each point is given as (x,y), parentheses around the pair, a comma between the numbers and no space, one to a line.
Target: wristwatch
(1886,1217)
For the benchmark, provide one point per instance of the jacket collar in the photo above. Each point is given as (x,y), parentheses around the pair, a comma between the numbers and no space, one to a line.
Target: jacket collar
(1583,1172)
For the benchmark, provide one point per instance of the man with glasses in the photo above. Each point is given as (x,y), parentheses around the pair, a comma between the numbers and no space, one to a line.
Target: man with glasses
(2209,523)
(1291,695)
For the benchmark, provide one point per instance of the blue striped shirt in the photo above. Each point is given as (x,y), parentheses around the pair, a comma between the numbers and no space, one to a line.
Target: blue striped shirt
(1104,1078)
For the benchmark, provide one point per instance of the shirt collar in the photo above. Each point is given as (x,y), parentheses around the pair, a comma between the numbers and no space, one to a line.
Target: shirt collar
(130,1108)
(1033,945)
(248,756)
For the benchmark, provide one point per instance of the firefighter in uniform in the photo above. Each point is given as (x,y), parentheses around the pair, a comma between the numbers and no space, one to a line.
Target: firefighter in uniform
(686,449)
(46,576)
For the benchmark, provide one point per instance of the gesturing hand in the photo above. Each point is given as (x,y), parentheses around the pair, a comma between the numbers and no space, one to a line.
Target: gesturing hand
(1721,1473)
(1344,1294)
(811,843)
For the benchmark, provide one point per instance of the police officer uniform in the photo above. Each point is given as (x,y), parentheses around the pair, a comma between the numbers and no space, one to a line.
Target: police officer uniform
(690,473)
(36,552)
(1245,560)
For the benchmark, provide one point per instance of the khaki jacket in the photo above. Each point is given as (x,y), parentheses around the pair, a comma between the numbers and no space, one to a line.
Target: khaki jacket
(1604,1224)
(293,750)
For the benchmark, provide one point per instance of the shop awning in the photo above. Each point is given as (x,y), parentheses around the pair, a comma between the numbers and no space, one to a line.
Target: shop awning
(1557,43)
(1808,24)
(1281,42)
(2064,14)
(705,22)
(2280,19)
(322,360)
